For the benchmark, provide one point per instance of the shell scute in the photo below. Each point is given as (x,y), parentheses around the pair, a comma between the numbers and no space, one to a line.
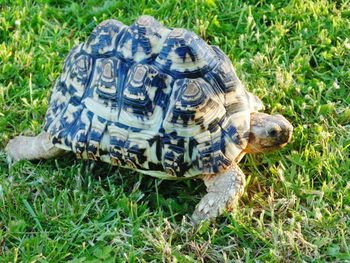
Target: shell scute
(104,38)
(95,134)
(143,40)
(185,54)
(143,98)
(105,80)
(193,108)
(173,154)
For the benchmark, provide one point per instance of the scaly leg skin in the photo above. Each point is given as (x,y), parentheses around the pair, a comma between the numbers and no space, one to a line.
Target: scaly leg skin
(224,190)
(31,148)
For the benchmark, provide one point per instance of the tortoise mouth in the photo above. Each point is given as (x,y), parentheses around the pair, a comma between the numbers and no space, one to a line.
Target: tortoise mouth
(282,140)
(273,147)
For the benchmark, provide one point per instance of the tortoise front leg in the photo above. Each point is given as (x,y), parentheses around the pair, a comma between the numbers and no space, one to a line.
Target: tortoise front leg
(31,148)
(223,189)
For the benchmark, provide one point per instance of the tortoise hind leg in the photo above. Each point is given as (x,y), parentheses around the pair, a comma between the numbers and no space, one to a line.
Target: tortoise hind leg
(223,189)
(32,148)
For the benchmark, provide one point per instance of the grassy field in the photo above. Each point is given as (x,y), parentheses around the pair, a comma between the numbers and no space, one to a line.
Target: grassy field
(295,55)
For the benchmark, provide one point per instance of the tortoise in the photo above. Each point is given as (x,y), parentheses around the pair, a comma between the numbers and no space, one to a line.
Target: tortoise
(160,101)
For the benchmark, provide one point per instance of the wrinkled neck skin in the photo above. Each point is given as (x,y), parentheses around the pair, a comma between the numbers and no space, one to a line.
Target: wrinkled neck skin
(268,132)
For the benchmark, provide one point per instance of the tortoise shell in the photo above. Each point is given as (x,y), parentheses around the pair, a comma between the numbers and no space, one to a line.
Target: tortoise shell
(155,99)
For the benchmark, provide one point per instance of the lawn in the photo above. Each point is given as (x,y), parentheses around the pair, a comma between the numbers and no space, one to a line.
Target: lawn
(295,55)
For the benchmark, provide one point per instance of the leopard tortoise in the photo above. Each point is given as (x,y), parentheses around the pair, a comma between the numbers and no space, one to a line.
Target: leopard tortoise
(160,101)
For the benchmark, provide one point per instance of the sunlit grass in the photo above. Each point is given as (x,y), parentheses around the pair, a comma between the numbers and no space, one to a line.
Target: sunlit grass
(295,55)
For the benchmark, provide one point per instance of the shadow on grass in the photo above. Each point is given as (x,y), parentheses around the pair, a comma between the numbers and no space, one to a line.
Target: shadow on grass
(174,198)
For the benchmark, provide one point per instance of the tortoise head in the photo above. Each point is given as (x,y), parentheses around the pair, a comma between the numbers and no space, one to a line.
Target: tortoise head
(268,132)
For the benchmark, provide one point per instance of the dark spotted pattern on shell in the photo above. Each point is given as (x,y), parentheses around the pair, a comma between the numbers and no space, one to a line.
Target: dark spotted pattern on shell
(158,100)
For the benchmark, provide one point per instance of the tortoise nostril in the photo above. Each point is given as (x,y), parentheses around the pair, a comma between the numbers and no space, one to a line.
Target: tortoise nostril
(287,135)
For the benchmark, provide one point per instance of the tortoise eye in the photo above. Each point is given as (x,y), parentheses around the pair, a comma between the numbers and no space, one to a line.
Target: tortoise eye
(273,132)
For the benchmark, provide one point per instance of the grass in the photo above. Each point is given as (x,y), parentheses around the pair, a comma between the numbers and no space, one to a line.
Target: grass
(295,55)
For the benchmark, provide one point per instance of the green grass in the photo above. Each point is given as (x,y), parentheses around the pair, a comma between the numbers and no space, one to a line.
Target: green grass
(295,55)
